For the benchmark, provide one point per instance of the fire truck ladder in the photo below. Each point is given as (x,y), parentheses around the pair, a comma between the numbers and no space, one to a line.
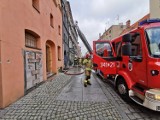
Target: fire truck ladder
(83,38)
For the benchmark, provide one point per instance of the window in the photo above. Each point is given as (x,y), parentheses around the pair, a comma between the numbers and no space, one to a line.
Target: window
(118,49)
(136,45)
(51,20)
(59,53)
(30,40)
(153,36)
(65,38)
(59,29)
(35,4)
(103,49)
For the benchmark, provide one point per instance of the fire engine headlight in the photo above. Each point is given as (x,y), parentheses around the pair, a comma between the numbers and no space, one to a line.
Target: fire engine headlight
(153,96)
(157,97)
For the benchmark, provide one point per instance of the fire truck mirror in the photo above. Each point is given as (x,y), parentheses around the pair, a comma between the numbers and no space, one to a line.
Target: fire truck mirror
(127,38)
(126,49)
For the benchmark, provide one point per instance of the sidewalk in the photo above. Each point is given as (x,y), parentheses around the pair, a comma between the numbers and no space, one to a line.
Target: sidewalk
(54,100)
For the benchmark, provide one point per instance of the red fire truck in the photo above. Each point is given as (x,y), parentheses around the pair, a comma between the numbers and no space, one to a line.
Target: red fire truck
(133,63)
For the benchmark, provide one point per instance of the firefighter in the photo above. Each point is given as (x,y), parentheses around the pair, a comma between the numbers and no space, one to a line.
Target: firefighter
(88,68)
(80,61)
(75,61)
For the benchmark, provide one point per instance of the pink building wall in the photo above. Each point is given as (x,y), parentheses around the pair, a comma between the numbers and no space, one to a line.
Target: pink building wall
(15,17)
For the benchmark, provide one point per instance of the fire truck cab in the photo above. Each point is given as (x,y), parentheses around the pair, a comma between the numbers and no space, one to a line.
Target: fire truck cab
(104,60)
(133,63)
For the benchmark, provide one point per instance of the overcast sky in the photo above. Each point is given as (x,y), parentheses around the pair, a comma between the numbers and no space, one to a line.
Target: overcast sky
(94,16)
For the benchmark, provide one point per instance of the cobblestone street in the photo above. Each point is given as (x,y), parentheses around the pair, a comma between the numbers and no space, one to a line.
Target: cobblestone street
(79,60)
(41,103)
(65,98)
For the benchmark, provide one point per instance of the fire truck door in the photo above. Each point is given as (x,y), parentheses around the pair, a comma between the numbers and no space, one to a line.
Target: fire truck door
(103,58)
(137,62)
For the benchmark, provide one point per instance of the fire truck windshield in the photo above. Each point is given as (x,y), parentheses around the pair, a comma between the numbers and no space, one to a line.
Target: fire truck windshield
(153,38)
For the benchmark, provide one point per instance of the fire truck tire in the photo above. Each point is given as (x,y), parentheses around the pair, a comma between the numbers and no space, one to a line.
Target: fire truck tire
(123,90)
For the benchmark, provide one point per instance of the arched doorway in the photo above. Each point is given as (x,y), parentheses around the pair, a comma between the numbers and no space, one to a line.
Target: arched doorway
(50,59)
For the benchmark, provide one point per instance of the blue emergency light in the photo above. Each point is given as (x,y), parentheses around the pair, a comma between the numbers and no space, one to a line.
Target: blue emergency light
(147,21)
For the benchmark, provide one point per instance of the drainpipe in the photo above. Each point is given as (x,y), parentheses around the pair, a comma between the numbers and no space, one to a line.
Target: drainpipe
(1,94)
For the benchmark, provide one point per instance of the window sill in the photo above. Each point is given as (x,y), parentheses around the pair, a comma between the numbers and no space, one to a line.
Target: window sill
(33,47)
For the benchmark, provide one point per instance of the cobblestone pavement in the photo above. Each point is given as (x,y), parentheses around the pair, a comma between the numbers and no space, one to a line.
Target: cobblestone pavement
(41,104)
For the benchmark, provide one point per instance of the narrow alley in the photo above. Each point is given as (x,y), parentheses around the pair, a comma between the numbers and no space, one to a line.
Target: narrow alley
(65,98)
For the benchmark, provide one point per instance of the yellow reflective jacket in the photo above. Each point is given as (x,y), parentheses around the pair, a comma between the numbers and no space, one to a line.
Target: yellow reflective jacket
(88,64)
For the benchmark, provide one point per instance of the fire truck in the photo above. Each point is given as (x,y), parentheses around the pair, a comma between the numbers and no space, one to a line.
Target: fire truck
(133,63)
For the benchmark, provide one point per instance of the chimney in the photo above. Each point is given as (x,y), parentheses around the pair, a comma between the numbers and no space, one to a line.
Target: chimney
(128,24)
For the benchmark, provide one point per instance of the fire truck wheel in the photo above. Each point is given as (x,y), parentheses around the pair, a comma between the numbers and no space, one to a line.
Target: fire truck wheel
(123,89)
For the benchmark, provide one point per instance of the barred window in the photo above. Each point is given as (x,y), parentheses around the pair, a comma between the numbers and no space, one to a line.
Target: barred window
(30,40)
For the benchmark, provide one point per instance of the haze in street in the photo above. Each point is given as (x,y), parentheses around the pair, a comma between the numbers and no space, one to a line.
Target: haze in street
(95,16)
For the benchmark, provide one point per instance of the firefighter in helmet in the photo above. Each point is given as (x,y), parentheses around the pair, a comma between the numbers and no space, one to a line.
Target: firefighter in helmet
(88,68)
